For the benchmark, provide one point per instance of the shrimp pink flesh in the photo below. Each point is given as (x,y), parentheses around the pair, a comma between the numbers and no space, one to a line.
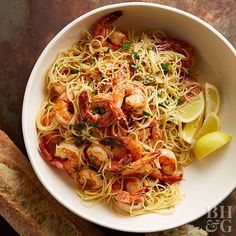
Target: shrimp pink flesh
(105,118)
(64,110)
(117,38)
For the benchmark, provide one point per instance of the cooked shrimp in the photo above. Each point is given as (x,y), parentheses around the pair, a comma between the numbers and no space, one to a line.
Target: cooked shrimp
(156,131)
(48,154)
(64,110)
(167,161)
(180,47)
(119,165)
(100,111)
(131,192)
(117,38)
(122,146)
(136,167)
(89,179)
(63,156)
(71,154)
(133,97)
(152,134)
(97,155)
(172,178)
(168,171)
(168,167)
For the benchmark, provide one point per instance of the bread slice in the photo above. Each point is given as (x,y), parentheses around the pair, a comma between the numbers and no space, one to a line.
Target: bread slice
(26,205)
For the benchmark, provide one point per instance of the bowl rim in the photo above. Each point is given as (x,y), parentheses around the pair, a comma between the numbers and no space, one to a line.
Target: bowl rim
(30,83)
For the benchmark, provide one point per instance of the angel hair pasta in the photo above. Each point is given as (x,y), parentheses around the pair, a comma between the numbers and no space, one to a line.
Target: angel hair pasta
(110,117)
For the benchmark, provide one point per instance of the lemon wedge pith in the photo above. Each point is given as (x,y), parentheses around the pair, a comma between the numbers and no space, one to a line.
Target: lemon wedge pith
(191,129)
(211,124)
(192,110)
(210,142)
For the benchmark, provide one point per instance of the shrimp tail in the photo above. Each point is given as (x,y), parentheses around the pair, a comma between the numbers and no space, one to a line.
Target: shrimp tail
(119,165)
(100,29)
(49,156)
(140,193)
(111,18)
(136,165)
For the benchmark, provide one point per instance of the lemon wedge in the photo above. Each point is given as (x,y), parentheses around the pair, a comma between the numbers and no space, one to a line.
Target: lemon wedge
(211,124)
(191,129)
(192,110)
(212,99)
(210,142)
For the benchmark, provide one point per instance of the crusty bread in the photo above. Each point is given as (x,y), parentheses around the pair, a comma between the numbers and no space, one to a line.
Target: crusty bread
(185,230)
(26,205)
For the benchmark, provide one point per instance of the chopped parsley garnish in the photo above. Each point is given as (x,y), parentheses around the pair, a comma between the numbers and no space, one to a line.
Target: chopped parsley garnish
(135,67)
(146,113)
(91,158)
(165,67)
(81,125)
(99,110)
(93,168)
(134,55)
(126,45)
(110,142)
(79,141)
(180,102)
(74,71)
(161,126)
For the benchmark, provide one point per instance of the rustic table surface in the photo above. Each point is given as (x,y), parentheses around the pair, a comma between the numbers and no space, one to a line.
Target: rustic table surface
(27,26)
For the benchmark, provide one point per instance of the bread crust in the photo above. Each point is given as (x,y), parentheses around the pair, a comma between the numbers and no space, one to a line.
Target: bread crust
(25,203)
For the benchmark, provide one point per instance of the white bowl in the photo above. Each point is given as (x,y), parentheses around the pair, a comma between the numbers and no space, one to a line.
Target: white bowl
(207,182)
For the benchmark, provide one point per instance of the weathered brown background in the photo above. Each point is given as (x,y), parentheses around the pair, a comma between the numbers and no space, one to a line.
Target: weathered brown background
(26,27)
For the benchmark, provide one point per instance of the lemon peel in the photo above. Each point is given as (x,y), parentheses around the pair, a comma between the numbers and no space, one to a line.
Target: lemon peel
(191,129)
(209,143)
(192,110)
(211,123)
